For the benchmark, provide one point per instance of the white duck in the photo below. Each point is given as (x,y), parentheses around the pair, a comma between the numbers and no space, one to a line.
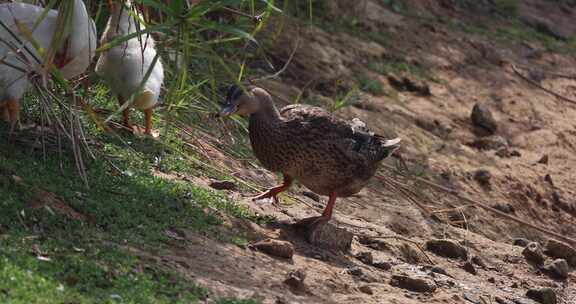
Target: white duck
(72,59)
(125,65)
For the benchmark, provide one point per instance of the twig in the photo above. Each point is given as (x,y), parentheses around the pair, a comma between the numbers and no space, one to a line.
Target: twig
(488,208)
(534,83)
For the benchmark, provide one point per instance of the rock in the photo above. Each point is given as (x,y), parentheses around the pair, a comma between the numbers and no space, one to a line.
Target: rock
(506,153)
(295,280)
(492,280)
(483,176)
(434,126)
(469,267)
(440,270)
(520,242)
(533,253)
(482,118)
(365,257)
(223,185)
(405,84)
(447,248)
(382,265)
(557,249)
(355,271)
(500,300)
(558,269)
(315,197)
(326,235)
(276,248)
(479,261)
(493,142)
(543,160)
(543,295)
(504,207)
(413,284)
(366,289)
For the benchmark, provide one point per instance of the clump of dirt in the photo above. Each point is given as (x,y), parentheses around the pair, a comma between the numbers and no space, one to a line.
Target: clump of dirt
(465,54)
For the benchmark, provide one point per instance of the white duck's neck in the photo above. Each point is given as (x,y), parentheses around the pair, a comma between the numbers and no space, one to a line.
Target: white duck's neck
(80,25)
(123,19)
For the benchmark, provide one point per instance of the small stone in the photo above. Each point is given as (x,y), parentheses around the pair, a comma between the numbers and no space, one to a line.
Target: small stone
(327,235)
(276,248)
(521,242)
(413,284)
(366,289)
(557,249)
(504,207)
(355,271)
(533,253)
(507,153)
(223,185)
(492,280)
(469,267)
(447,248)
(295,280)
(479,261)
(439,270)
(500,300)
(483,176)
(365,257)
(543,295)
(382,265)
(543,160)
(482,118)
(558,269)
(315,197)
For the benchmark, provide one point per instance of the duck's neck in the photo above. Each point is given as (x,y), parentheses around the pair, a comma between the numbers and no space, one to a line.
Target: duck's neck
(80,22)
(122,20)
(267,113)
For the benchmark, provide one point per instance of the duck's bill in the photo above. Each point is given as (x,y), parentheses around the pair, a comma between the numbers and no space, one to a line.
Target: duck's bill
(228,110)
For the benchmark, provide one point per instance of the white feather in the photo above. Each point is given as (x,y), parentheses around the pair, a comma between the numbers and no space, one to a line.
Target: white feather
(124,66)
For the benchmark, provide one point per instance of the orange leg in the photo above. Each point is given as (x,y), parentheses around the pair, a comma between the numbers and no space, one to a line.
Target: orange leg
(273,192)
(148,115)
(125,114)
(325,217)
(11,111)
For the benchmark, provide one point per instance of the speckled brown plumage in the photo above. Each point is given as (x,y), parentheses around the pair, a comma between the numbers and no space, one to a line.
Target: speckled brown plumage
(328,155)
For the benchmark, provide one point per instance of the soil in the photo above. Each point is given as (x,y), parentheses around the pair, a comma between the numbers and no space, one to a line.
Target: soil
(530,168)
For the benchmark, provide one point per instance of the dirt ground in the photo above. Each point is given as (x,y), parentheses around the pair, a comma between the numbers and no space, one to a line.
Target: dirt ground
(530,159)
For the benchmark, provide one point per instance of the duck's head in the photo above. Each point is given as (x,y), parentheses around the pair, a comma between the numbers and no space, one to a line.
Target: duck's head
(242,101)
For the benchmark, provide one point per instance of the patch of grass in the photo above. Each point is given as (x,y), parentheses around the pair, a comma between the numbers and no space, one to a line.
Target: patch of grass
(370,85)
(130,207)
(507,7)
(393,66)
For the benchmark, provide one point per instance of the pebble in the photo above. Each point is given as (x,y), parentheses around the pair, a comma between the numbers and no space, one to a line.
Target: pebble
(558,269)
(355,271)
(295,280)
(469,267)
(482,118)
(483,176)
(276,248)
(382,265)
(413,284)
(520,242)
(557,249)
(365,257)
(366,289)
(315,197)
(447,248)
(222,185)
(533,253)
(542,295)
(504,207)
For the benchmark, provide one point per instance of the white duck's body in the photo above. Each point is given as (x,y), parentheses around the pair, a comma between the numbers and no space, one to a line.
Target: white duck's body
(72,59)
(125,65)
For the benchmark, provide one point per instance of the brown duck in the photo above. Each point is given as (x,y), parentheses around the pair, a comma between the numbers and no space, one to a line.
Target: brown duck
(328,155)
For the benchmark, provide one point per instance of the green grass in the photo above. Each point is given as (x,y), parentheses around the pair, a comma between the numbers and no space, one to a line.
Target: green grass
(370,85)
(397,66)
(88,262)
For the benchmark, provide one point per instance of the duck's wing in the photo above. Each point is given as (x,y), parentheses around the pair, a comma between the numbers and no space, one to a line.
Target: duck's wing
(314,124)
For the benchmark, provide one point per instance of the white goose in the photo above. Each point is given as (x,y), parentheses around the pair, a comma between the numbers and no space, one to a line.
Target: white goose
(124,66)
(72,59)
